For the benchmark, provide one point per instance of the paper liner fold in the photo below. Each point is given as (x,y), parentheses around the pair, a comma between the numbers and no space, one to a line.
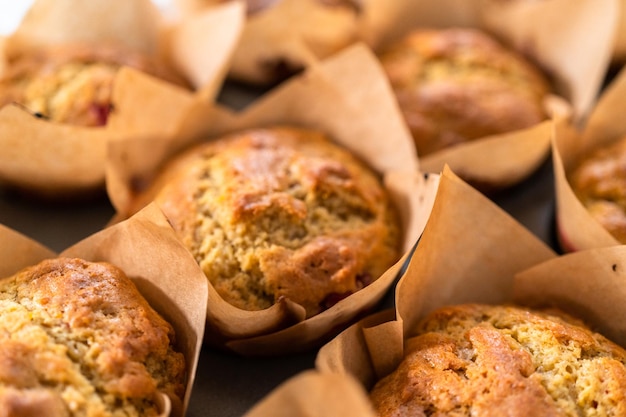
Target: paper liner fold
(146,249)
(589,284)
(487,162)
(576,229)
(57,22)
(51,158)
(19,251)
(328,396)
(194,51)
(349,99)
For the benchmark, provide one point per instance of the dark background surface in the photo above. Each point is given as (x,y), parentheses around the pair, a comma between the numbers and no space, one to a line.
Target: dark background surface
(226,384)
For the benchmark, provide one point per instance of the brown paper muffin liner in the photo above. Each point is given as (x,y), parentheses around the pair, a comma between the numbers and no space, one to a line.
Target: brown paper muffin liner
(495,261)
(348,98)
(48,158)
(576,229)
(145,248)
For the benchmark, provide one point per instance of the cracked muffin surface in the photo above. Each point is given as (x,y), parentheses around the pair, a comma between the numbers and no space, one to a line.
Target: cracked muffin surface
(455,85)
(471,360)
(71,84)
(599,182)
(280,213)
(78,339)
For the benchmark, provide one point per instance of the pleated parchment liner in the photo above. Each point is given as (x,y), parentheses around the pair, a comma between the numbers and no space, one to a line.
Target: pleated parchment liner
(485,257)
(146,249)
(348,98)
(571,41)
(576,229)
(50,158)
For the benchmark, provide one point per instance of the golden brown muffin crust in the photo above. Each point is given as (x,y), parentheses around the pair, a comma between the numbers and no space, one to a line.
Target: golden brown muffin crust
(78,339)
(72,84)
(455,85)
(504,360)
(599,182)
(280,212)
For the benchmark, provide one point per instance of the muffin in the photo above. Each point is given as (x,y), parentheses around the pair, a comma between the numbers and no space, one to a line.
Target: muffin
(599,182)
(456,85)
(71,84)
(504,360)
(78,339)
(279,213)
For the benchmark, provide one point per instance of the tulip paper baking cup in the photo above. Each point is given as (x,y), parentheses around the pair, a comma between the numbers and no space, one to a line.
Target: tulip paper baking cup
(576,229)
(488,266)
(282,37)
(145,248)
(51,158)
(348,98)
(570,41)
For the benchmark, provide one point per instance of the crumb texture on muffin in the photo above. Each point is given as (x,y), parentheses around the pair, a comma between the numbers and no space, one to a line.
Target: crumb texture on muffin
(455,85)
(281,212)
(71,85)
(599,182)
(78,339)
(478,360)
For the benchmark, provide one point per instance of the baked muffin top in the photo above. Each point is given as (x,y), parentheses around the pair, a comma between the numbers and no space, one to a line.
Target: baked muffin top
(504,360)
(599,182)
(455,85)
(78,339)
(280,212)
(71,84)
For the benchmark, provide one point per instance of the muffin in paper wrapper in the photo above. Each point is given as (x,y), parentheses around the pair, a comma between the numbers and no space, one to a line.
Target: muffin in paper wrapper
(483,258)
(54,159)
(146,249)
(576,228)
(329,97)
(561,51)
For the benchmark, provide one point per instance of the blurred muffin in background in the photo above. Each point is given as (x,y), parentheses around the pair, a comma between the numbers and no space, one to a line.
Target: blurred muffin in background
(72,84)
(599,182)
(456,85)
